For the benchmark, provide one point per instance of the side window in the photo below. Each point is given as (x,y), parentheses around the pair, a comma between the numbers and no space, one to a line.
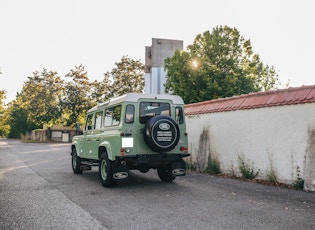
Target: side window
(116,115)
(108,117)
(130,114)
(98,120)
(88,122)
(179,115)
(112,116)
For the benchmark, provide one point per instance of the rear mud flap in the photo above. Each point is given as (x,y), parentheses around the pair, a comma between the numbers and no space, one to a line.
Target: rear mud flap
(179,168)
(120,171)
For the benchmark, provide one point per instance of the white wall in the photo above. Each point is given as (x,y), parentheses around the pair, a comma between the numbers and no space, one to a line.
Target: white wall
(278,138)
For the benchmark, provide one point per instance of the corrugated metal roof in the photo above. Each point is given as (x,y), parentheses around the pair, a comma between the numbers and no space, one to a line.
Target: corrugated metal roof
(290,96)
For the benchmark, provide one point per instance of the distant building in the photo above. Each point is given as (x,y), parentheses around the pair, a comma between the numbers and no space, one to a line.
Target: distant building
(155,75)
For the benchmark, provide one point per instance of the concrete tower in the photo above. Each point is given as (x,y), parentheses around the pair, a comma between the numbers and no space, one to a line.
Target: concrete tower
(155,75)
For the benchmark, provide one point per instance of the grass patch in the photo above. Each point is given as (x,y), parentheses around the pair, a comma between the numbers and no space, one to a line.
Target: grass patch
(299,182)
(246,170)
(213,167)
(271,177)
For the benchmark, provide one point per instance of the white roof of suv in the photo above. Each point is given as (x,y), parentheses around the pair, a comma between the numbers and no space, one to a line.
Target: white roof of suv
(134,97)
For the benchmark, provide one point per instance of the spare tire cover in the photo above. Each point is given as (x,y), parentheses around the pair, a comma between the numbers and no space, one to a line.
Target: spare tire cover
(161,133)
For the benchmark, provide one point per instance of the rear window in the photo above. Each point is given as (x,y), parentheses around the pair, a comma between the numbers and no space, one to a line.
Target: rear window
(130,114)
(151,109)
(179,115)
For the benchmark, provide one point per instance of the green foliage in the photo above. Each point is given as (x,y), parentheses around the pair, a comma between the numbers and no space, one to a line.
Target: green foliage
(80,94)
(218,64)
(268,78)
(102,90)
(213,167)
(271,177)
(2,97)
(40,98)
(127,77)
(18,120)
(4,127)
(47,99)
(77,94)
(299,182)
(245,169)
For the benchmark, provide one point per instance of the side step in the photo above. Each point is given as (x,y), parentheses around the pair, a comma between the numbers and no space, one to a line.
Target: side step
(84,162)
(85,167)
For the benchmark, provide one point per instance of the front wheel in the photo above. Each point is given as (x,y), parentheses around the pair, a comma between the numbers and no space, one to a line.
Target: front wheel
(165,173)
(106,171)
(76,162)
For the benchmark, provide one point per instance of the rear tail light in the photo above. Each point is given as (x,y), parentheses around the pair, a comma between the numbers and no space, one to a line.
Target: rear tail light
(183,149)
(124,150)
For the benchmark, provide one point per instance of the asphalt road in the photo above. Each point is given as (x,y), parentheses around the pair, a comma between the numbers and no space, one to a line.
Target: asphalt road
(39,191)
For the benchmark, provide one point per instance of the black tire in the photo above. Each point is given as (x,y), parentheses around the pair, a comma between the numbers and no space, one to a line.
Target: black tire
(165,173)
(161,133)
(76,162)
(106,171)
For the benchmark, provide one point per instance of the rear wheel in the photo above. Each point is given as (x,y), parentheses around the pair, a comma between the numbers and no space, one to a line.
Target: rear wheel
(76,162)
(106,171)
(165,173)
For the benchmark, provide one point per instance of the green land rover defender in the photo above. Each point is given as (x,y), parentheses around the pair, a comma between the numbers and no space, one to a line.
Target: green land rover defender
(134,131)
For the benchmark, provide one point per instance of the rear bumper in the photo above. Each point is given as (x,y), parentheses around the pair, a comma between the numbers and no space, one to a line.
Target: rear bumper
(152,159)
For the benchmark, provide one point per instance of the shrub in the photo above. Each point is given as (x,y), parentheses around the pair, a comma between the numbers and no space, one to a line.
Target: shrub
(213,167)
(299,182)
(246,171)
(271,177)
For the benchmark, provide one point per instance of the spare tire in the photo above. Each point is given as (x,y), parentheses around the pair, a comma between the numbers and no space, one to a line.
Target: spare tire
(161,133)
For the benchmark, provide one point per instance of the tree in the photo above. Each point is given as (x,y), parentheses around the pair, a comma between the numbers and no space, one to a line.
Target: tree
(127,77)
(268,77)
(18,119)
(218,64)
(77,95)
(40,98)
(102,90)
(4,122)
(2,97)
(4,127)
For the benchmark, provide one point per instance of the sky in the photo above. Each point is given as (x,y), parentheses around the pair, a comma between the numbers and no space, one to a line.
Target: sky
(60,34)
